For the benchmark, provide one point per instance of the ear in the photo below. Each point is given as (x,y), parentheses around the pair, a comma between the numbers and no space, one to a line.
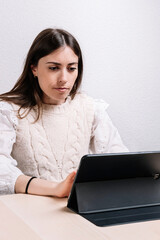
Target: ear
(34,70)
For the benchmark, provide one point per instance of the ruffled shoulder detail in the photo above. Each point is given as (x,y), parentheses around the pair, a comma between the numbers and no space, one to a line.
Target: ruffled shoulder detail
(100,107)
(101,104)
(7,111)
(5,106)
(88,103)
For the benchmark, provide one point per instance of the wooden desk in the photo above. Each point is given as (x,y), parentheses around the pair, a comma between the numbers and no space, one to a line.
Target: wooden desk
(31,217)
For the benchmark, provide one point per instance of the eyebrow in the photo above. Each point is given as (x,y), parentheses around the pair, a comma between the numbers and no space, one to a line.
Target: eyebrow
(56,63)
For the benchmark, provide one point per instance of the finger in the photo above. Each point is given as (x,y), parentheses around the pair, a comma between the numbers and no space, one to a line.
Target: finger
(71,176)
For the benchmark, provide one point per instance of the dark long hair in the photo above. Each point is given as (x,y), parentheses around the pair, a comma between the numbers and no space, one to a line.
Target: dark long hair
(27,93)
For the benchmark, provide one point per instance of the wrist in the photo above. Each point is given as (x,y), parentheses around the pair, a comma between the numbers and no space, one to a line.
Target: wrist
(56,189)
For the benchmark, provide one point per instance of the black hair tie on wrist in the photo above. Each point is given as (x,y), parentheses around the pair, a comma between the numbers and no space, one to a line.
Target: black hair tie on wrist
(26,191)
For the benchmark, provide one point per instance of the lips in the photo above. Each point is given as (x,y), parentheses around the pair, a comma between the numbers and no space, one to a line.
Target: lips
(61,89)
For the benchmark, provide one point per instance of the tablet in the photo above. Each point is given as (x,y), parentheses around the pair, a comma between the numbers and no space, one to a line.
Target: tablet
(117,188)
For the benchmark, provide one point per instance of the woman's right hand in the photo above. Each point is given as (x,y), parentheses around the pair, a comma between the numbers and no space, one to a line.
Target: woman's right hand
(45,188)
(63,188)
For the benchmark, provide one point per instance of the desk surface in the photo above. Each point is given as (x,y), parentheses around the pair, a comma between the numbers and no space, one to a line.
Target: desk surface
(36,218)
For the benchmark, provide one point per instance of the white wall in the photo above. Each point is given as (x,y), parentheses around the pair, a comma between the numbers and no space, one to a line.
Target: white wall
(120,40)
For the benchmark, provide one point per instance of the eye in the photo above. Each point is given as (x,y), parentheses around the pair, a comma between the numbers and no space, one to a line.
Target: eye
(72,69)
(53,68)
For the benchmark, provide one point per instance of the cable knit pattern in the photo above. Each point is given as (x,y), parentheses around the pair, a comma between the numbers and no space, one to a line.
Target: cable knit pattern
(80,130)
(39,149)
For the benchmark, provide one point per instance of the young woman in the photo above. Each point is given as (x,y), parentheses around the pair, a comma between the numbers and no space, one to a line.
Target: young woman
(46,124)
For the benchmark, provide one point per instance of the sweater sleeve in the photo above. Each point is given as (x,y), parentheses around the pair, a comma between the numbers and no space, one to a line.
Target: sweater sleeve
(105,137)
(8,166)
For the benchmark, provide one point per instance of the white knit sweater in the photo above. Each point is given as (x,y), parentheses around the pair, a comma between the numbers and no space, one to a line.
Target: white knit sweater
(52,147)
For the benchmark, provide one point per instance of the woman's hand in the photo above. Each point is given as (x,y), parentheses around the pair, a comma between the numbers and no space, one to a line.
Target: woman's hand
(44,187)
(63,188)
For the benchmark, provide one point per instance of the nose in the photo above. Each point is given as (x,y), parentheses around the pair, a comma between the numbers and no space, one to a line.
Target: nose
(63,76)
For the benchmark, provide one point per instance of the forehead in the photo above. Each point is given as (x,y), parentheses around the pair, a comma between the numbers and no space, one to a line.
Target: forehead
(64,54)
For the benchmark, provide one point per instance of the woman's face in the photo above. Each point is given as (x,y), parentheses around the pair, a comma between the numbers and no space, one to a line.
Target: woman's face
(57,73)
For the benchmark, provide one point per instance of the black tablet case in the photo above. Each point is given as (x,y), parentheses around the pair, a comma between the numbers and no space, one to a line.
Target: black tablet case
(117,188)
